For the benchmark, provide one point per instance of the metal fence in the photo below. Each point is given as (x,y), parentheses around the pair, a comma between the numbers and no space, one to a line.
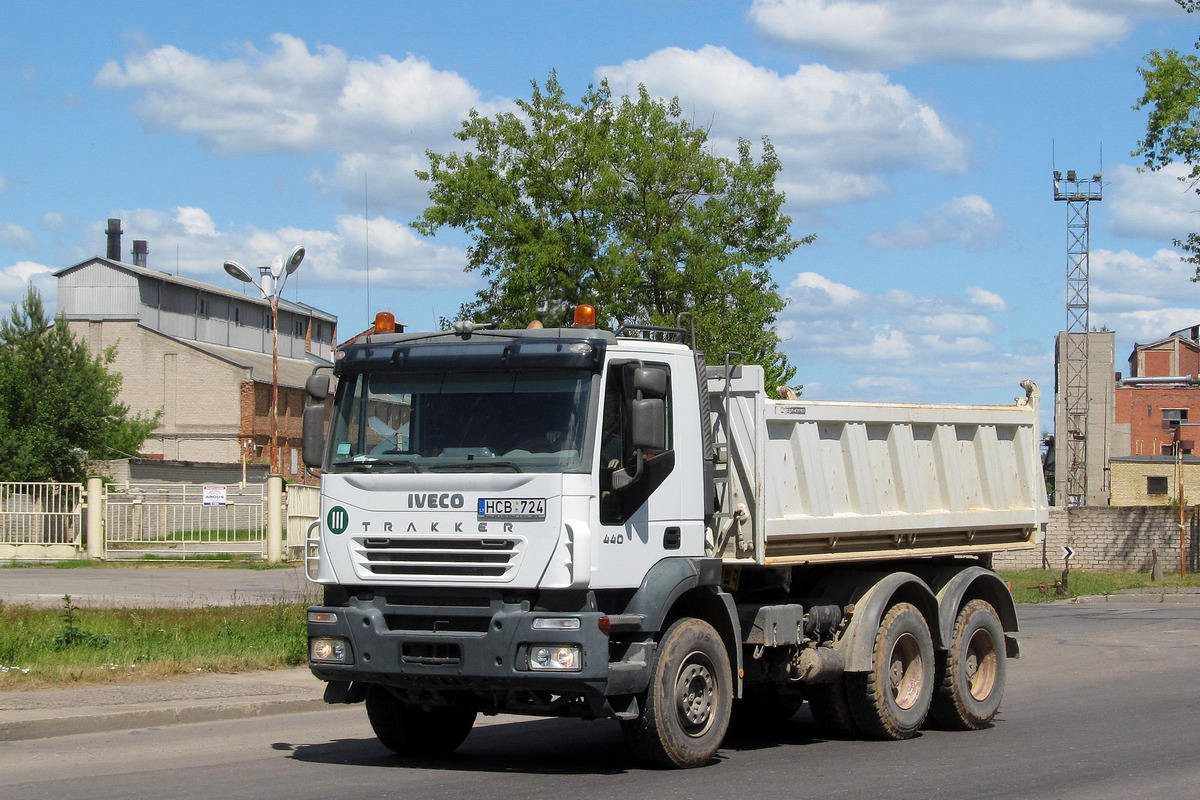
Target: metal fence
(41,520)
(181,520)
(303,507)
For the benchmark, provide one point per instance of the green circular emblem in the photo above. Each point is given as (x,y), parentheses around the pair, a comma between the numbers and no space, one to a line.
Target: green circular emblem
(338,520)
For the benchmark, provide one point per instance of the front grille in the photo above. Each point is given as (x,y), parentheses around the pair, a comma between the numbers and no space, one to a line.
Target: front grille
(442,557)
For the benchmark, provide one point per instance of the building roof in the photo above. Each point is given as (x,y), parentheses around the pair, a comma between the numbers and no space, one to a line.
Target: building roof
(293,372)
(302,309)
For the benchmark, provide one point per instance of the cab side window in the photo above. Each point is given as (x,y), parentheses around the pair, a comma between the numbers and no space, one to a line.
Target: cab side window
(621,454)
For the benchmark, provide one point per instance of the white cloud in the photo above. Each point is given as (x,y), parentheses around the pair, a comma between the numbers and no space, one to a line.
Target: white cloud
(3,184)
(15,280)
(1142,298)
(898,345)
(835,132)
(52,221)
(16,237)
(189,243)
(989,300)
(890,33)
(1152,205)
(968,221)
(378,116)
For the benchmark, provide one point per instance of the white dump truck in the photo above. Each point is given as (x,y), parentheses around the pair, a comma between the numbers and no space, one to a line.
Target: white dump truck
(576,522)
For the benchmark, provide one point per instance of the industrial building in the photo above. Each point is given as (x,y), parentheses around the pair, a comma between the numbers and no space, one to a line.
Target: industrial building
(199,353)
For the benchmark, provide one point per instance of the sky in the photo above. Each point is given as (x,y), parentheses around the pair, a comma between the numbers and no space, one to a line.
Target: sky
(918,140)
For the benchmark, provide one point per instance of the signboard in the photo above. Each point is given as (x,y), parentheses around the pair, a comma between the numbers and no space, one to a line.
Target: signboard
(215,496)
(1068,552)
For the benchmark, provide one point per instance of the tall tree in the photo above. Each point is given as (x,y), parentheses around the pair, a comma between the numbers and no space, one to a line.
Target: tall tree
(623,205)
(1173,127)
(58,401)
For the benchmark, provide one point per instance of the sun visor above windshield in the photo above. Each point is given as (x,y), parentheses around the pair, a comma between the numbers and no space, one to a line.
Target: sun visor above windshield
(521,354)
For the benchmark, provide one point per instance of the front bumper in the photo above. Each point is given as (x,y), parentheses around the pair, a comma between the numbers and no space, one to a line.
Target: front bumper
(432,645)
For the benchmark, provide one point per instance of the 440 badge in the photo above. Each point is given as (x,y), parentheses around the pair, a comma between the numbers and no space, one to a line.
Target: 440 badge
(338,519)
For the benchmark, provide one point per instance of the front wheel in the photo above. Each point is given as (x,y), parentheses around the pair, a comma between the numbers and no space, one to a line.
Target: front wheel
(685,713)
(971,677)
(892,700)
(410,729)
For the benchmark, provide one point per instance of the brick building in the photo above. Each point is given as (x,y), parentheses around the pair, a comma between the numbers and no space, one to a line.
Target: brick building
(1157,407)
(199,353)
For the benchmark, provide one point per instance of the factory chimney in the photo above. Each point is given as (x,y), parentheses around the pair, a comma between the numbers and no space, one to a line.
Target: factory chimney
(114,239)
(141,249)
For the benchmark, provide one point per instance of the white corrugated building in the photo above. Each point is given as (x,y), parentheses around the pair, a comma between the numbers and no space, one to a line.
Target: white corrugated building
(200,353)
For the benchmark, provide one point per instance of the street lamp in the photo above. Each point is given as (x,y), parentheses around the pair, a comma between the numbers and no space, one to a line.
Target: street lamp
(274,276)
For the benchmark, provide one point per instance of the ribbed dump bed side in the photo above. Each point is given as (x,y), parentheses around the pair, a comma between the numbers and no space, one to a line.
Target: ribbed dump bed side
(827,481)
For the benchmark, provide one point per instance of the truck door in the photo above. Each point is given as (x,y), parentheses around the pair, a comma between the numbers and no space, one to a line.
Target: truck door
(639,486)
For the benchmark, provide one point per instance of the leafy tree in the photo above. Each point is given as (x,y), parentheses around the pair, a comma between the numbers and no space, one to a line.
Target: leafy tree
(620,204)
(57,400)
(1173,127)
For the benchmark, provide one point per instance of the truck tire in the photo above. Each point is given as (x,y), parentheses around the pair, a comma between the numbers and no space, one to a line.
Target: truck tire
(971,676)
(831,710)
(892,700)
(685,712)
(409,729)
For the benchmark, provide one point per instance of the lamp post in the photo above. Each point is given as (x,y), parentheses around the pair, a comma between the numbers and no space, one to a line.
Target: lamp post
(274,276)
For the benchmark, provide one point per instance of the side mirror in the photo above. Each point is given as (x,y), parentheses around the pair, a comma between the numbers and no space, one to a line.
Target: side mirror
(313,436)
(317,387)
(648,425)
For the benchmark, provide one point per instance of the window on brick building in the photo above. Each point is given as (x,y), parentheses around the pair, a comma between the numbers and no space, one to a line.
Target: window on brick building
(1173,416)
(1156,485)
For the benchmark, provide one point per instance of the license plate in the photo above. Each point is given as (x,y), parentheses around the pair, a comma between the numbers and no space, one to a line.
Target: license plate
(512,508)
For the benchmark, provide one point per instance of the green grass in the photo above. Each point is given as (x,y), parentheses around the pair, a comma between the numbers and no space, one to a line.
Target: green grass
(1037,585)
(42,647)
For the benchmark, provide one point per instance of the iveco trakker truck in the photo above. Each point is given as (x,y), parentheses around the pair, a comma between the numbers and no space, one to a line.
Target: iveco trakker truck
(578,522)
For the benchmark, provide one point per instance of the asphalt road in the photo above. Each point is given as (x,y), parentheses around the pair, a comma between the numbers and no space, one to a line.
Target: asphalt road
(1104,703)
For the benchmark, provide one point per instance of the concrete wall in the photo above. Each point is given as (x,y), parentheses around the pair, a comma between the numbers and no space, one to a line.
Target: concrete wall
(1110,539)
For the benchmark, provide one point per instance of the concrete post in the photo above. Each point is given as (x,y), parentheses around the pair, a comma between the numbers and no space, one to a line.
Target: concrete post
(274,519)
(95,519)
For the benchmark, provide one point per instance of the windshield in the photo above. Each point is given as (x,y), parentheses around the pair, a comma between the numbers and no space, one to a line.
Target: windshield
(489,421)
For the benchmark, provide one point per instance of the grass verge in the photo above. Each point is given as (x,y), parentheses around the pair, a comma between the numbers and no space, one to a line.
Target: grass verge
(41,647)
(1037,585)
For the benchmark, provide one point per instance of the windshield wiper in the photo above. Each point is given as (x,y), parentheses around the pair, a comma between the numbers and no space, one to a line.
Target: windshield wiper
(481,464)
(375,464)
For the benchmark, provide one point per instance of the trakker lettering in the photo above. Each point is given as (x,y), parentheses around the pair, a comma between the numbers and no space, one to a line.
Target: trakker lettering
(433,527)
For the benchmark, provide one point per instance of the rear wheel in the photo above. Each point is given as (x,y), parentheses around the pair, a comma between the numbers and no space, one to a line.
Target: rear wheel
(686,709)
(972,675)
(892,700)
(410,729)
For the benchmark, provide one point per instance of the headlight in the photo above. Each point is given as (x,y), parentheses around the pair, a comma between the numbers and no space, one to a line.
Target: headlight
(328,650)
(556,658)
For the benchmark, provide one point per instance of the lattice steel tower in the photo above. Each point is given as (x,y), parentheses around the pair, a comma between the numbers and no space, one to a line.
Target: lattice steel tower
(1077,193)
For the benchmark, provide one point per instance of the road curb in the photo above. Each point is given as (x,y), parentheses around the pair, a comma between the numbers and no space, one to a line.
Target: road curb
(40,725)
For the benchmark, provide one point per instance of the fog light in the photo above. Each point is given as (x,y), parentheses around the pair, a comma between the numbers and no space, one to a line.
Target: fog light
(328,650)
(555,657)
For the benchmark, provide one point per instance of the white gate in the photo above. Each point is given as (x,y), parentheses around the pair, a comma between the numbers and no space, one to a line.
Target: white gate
(41,520)
(303,507)
(183,520)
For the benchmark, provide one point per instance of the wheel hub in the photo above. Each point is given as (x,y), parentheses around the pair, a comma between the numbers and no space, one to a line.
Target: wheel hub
(695,689)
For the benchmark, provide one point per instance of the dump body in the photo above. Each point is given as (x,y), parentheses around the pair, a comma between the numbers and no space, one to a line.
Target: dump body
(825,482)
